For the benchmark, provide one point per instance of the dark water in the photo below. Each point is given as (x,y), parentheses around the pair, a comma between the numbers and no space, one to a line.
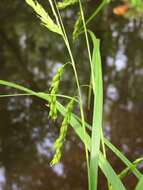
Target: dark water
(30,55)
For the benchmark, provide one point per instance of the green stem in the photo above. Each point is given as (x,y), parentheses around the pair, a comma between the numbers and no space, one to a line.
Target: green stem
(76,78)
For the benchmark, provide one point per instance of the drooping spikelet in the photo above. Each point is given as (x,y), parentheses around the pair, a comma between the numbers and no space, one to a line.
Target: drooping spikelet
(53,91)
(63,131)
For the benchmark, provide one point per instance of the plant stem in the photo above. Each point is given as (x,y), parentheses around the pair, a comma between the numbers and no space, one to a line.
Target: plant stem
(65,38)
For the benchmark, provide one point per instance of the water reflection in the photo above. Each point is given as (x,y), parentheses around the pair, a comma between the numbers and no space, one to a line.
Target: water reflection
(29,56)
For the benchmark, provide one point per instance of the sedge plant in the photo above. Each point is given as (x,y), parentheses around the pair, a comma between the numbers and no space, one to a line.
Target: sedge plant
(95,143)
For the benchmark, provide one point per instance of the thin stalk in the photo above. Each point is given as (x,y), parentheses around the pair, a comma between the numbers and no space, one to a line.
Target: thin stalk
(99,8)
(104,2)
(77,82)
(89,53)
(57,95)
(54,12)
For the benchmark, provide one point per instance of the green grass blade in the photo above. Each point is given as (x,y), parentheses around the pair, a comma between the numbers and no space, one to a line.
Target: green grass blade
(97,112)
(123,158)
(16,86)
(135,164)
(139,185)
(26,90)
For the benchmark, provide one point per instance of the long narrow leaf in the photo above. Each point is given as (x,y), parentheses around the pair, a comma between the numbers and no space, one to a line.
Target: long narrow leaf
(123,158)
(97,112)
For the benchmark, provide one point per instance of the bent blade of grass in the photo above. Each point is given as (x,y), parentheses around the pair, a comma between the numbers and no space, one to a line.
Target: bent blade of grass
(97,111)
(17,86)
(135,164)
(120,155)
(103,163)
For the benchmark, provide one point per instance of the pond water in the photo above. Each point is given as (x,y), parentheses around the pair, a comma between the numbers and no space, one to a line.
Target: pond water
(30,55)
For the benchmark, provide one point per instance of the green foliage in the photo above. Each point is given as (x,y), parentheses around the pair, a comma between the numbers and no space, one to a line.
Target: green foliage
(76,124)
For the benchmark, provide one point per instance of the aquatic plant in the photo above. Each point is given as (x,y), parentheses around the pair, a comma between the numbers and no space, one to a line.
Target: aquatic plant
(95,142)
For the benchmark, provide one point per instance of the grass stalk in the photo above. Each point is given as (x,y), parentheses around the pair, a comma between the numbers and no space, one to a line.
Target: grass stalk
(65,38)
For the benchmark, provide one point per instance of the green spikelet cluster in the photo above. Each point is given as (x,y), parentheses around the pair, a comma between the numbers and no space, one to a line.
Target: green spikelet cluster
(54,91)
(77,27)
(44,16)
(63,131)
(66,3)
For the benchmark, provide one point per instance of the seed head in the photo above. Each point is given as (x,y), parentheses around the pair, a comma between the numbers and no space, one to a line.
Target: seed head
(53,91)
(63,131)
